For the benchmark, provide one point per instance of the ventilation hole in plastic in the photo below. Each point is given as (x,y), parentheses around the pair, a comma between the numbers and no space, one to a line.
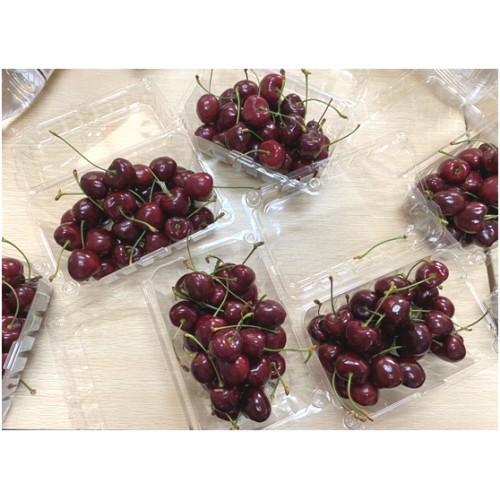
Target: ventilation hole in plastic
(401,140)
(319,398)
(351,422)
(253,199)
(71,288)
(38,267)
(250,238)
(314,184)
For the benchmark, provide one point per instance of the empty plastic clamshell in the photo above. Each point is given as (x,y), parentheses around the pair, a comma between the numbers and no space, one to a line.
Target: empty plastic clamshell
(335,127)
(133,123)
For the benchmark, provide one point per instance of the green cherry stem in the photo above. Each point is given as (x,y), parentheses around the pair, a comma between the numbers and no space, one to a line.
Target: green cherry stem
(255,246)
(324,102)
(22,253)
(210,81)
(488,217)
(457,171)
(189,250)
(416,264)
(137,195)
(385,351)
(82,234)
(32,391)
(284,116)
(379,321)
(152,190)
(309,350)
(208,91)
(412,286)
(162,185)
(75,176)
(134,247)
(472,324)
(342,138)
(306,73)
(323,115)
(258,81)
(211,200)
(331,297)
(287,391)
(473,140)
(185,297)
(60,194)
(181,364)
(391,289)
(253,133)
(9,327)
(208,355)
(149,226)
(225,286)
(66,243)
(239,105)
(354,414)
(440,344)
(222,303)
(267,153)
(378,244)
(365,413)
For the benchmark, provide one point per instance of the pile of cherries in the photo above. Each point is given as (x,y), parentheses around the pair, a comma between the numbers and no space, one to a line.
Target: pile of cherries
(18,292)
(130,211)
(258,120)
(233,337)
(465,187)
(376,339)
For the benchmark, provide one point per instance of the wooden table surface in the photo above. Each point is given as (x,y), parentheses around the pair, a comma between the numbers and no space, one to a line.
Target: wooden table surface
(130,380)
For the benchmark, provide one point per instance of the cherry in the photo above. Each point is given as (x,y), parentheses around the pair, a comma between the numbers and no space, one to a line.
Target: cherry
(198,286)
(235,373)
(97,240)
(452,171)
(225,399)
(226,97)
(490,161)
(207,108)
(454,231)
(362,302)
(154,241)
(270,86)
(191,345)
(472,183)
(251,295)
(453,349)
(254,341)
(328,354)
(488,191)
(202,368)
(291,157)
(186,313)
(439,324)
(276,340)
(442,304)
(164,168)
(349,362)
(143,176)
(384,284)
(395,308)
(226,345)
(126,230)
(151,214)
(316,329)
(217,297)
(363,339)
(199,186)
(386,372)
(413,373)
(233,311)
(431,274)
(310,144)
(365,394)
(107,267)
(290,129)
(178,228)
(290,106)
(120,174)
(474,157)
(336,326)
(488,235)
(85,210)
(83,264)
(176,204)
(67,217)
(93,185)
(268,131)
(202,218)
(117,202)
(449,202)
(121,255)
(279,361)
(240,279)
(228,116)
(259,372)
(236,138)
(269,314)
(68,232)
(422,295)
(272,154)
(220,138)
(252,150)
(471,218)
(415,338)
(207,131)
(256,111)
(255,404)
(246,88)
(434,183)
(10,335)
(341,387)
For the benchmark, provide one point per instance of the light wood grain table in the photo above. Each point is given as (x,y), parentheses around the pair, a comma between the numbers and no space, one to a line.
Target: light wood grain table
(131,381)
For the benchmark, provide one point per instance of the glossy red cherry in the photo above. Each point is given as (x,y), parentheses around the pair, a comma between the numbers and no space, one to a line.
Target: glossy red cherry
(276,340)
(328,354)
(349,362)
(439,324)
(472,183)
(256,111)
(175,204)
(490,161)
(121,255)
(272,154)
(151,214)
(422,295)
(85,210)
(199,186)
(236,139)
(473,156)
(164,168)
(202,219)
(251,295)
(178,228)
(362,302)
(67,217)
(259,372)
(336,325)
(205,328)
(93,185)
(268,131)
(217,296)
(310,144)
(289,130)
(198,286)
(363,339)
(25,295)
(471,218)
(365,394)
(269,314)
(126,230)
(413,373)
(415,337)
(440,303)
(226,97)
(69,232)
(225,399)
(449,202)
(83,264)
(434,183)
(202,369)
(316,329)
(207,108)
(431,274)
(386,372)
(255,404)
(270,87)
(107,267)
(100,241)
(384,284)
(120,174)
(240,279)
(290,105)
(233,311)
(228,116)
(452,350)
(395,308)
(488,191)
(226,345)
(453,171)
(488,235)
(235,373)
(143,176)
(154,241)
(254,341)
(279,361)
(207,131)
(10,335)
(117,202)
(246,88)
(186,313)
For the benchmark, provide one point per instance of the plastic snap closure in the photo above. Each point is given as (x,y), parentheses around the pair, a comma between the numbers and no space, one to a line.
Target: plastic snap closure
(253,199)
(319,398)
(71,288)
(314,184)
(250,238)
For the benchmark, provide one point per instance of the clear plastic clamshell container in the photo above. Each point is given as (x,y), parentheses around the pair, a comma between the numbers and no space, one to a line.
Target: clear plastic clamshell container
(335,127)
(134,123)
(20,349)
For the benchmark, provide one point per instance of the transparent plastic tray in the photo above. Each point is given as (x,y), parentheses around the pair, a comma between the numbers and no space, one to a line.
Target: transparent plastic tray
(133,122)
(335,127)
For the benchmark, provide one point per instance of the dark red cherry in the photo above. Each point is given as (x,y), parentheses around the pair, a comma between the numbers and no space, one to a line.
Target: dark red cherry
(290,129)
(254,341)
(316,329)
(117,202)
(202,219)
(432,274)
(365,394)
(488,191)
(291,157)
(180,178)
(341,387)
(251,295)
(349,362)
(126,230)
(120,174)
(254,146)
(67,217)
(217,296)
(328,354)
(205,328)
(439,324)
(363,339)
(336,326)
(434,183)
(100,241)
(384,284)
(269,314)
(395,308)
(415,337)
(473,156)
(207,108)
(386,372)
(178,228)
(440,303)
(10,335)
(235,373)
(93,185)
(422,295)
(488,235)
(268,131)
(452,350)
(199,186)
(413,373)
(226,97)
(272,154)
(259,372)
(225,399)
(226,345)
(190,345)
(25,295)
(107,267)
(279,361)
(246,88)
(186,312)
(220,137)
(150,213)
(198,286)
(176,204)
(85,210)
(143,176)
(255,404)
(310,144)
(240,279)
(472,183)
(490,161)
(83,264)
(453,171)
(207,131)
(164,168)
(454,231)
(154,241)
(69,232)
(362,302)
(121,255)
(449,202)
(237,140)
(256,111)
(202,368)
(228,115)
(233,311)
(290,106)
(471,218)
(270,87)
(276,340)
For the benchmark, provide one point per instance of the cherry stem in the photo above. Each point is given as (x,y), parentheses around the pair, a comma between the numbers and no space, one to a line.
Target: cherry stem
(220,144)
(208,355)
(239,105)
(415,265)
(378,244)
(208,91)
(365,413)
(233,294)
(82,234)
(323,115)
(379,321)
(51,278)
(162,185)
(22,253)
(473,140)
(137,195)
(342,138)
(152,190)
(331,297)
(419,311)
(412,286)
(134,247)
(457,171)
(319,304)
(186,297)
(373,312)
(181,364)
(471,194)
(9,327)
(258,81)
(32,391)
(76,151)
(287,392)
(243,326)
(440,344)
(488,217)
(391,289)
(472,324)
(354,414)
(211,200)
(324,102)
(444,221)
(309,350)
(60,194)
(267,153)
(253,133)
(306,73)
(283,82)
(75,175)
(222,303)
(210,81)
(190,354)
(385,351)
(149,226)
(255,246)
(284,116)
